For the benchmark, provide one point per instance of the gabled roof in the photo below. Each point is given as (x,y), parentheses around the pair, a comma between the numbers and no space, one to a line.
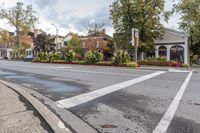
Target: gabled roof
(181,33)
(97,34)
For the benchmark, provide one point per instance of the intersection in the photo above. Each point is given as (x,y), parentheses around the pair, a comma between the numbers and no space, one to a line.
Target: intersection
(113,99)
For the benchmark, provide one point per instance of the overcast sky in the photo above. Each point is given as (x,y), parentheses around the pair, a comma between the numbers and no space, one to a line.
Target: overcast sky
(74,15)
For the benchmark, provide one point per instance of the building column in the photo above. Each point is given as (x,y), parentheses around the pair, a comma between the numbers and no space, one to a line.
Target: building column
(186,54)
(168,52)
(8,54)
(156,52)
(142,56)
(186,51)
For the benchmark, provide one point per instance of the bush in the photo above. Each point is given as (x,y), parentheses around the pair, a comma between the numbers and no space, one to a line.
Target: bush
(120,57)
(21,57)
(36,60)
(98,56)
(58,61)
(42,55)
(185,65)
(132,64)
(162,59)
(104,63)
(70,56)
(92,58)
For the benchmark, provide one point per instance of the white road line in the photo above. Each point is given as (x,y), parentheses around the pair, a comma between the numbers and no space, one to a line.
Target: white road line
(83,98)
(168,116)
(178,70)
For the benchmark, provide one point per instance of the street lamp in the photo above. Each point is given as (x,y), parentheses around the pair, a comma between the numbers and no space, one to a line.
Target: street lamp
(56,36)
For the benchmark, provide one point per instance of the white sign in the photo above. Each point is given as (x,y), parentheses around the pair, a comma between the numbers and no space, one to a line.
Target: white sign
(135,36)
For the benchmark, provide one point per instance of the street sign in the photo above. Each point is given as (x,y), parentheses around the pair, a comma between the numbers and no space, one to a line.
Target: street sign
(135,40)
(135,36)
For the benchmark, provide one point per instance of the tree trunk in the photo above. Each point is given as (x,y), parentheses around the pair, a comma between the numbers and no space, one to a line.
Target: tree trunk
(18,38)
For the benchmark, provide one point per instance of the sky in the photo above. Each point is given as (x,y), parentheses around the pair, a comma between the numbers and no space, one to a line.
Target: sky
(74,15)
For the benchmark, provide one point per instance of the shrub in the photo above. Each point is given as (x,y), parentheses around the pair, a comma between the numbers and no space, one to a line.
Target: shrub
(58,61)
(42,55)
(69,55)
(120,57)
(90,57)
(162,59)
(104,63)
(98,56)
(185,65)
(45,61)
(21,57)
(36,60)
(132,64)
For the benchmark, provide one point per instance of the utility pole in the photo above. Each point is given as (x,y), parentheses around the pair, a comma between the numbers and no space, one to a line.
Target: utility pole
(135,40)
(56,36)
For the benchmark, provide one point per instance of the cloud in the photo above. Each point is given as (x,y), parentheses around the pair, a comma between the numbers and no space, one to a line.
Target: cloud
(73,15)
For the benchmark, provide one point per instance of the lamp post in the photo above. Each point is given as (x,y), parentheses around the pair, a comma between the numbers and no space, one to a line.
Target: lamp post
(56,36)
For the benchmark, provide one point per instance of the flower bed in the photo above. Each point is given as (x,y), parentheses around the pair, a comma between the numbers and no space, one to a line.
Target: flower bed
(104,63)
(160,63)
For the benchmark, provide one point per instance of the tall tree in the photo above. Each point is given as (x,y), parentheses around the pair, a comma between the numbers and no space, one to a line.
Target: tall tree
(190,21)
(22,18)
(44,43)
(144,15)
(5,37)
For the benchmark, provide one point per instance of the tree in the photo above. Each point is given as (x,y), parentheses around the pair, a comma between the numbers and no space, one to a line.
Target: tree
(5,37)
(74,42)
(22,18)
(190,21)
(141,14)
(44,43)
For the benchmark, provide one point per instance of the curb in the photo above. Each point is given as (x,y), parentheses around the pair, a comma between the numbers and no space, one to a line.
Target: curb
(54,122)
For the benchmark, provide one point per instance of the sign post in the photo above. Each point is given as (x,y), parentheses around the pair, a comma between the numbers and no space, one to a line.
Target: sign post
(135,40)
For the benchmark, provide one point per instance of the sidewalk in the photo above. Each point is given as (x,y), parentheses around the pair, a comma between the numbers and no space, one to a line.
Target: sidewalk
(18,116)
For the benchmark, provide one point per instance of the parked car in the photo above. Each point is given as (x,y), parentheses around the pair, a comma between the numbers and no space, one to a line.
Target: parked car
(29,58)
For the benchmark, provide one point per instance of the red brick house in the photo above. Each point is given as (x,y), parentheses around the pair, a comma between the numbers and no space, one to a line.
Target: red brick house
(96,41)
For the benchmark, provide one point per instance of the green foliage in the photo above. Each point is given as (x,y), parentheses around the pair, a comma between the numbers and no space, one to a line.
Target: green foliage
(75,44)
(162,59)
(20,17)
(44,43)
(159,59)
(120,57)
(70,56)
(108,51)
(92,58)
(144,15)
(132,64)
(190,21)
(185,65)
(42,55)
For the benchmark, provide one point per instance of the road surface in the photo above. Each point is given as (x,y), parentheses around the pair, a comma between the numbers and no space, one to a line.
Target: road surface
(116,100)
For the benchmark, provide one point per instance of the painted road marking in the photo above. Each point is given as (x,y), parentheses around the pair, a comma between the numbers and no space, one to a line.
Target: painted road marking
(83,98)
(178,70)
(168,116)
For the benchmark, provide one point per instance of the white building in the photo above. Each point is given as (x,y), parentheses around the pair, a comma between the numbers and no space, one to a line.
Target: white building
(174,45)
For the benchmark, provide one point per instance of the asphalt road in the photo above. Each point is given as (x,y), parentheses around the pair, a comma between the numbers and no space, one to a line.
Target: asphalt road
(116,100)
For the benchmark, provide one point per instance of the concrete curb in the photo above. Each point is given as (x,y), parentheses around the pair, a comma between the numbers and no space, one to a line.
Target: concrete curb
(54,122)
